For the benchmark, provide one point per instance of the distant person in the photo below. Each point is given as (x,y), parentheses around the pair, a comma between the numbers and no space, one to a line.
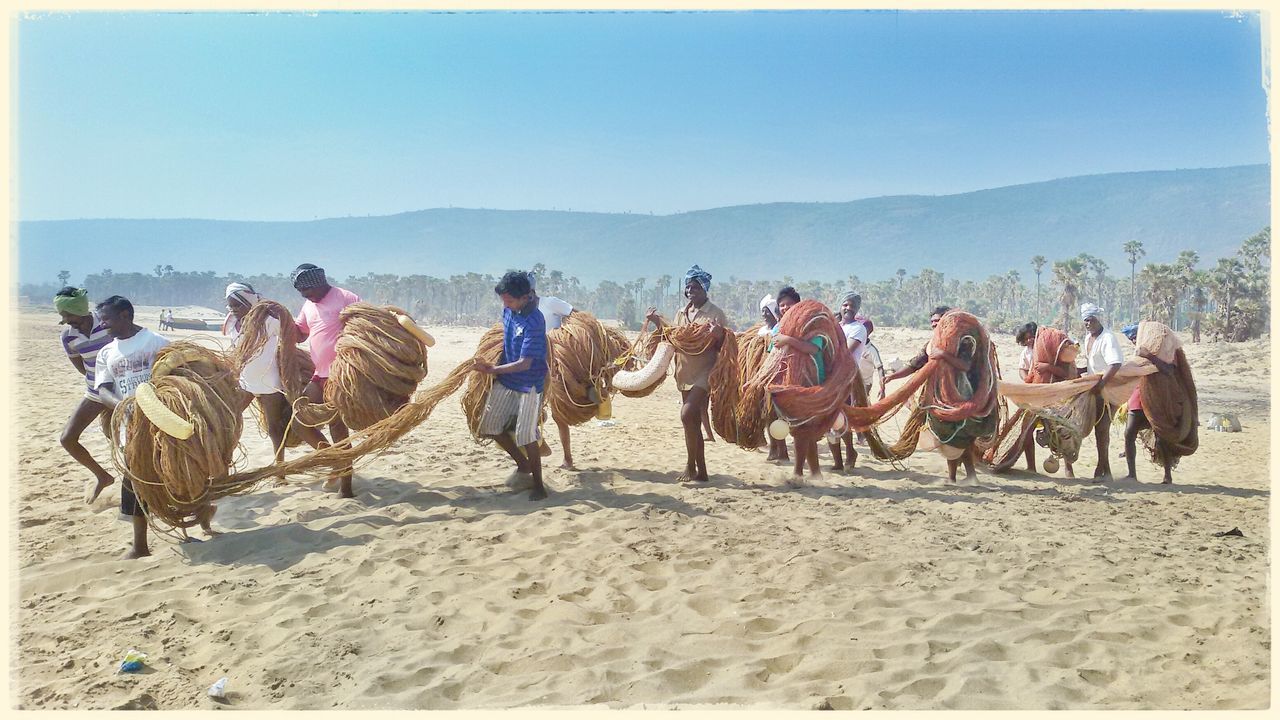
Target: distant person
(319,321)
(122,365)
(84,336)
(1104,357)
(693,372)
(163,320)
(1026,337)
(515,401)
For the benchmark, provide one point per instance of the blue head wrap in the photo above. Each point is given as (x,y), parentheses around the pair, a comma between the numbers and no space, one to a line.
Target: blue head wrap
(702,276)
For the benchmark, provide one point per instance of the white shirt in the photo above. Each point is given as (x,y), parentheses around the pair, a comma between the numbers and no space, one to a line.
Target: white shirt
(856,331)
(1102,351)
(1024,363)
(127,363)
(261,375)
(870,363)
(554,311)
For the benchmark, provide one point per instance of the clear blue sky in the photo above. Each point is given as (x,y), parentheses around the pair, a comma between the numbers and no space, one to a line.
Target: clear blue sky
(289,116)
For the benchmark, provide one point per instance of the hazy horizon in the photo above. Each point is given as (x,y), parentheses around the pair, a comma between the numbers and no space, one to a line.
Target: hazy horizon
(683,212)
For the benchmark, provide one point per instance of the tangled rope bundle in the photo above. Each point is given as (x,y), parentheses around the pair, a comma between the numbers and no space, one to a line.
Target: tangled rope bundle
(294,363)
(790,377)
(958,399)
(1169,399)
(753,411)
(1060,426)
(378,365)
(174,477)
(583,355)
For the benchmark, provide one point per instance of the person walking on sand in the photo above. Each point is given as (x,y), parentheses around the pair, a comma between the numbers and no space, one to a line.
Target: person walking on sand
(1103,357)
(320,322)
(554,311)
(82,339)
(693,372)
(770,314)
(121,366)
(515,401)
(261,373)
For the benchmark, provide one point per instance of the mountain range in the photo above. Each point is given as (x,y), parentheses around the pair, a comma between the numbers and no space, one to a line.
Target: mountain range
(968,235)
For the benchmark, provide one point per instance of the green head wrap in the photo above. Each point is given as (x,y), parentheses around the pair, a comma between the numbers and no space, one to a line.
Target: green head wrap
(75,304)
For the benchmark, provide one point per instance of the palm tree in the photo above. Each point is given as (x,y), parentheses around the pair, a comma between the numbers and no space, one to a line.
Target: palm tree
(1134,250)
(1226,281)
(1185,267)
(1037,263)
(1067,274)
(63,277)
(902,275)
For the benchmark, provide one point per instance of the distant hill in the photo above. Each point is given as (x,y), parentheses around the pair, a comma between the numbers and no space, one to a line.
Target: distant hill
(967,236)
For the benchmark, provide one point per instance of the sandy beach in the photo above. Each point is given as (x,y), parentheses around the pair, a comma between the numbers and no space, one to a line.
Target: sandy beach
(437,587)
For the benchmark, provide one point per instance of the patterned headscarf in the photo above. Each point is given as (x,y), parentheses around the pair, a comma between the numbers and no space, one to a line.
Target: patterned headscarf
(244,293)
(75,304)
(702,276)
(304,278)
(1089,310)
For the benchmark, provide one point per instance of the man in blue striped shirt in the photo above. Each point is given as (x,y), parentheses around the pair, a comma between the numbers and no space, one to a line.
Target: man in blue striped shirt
(514,404)
(85,334)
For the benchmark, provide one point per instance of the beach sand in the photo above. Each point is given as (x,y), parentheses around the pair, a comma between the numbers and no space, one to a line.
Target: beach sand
(437,587)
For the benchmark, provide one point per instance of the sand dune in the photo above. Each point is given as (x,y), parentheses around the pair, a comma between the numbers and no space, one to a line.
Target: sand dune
(436,587)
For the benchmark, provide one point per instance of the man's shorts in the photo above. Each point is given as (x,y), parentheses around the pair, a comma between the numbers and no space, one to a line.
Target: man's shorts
(128,501)
(508,409)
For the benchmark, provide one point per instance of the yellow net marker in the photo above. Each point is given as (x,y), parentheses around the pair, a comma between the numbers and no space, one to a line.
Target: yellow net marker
(169,422)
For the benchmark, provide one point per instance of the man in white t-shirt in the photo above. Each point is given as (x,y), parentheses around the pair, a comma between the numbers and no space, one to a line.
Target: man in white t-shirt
(122,365)
(554,311)
(1104,357)
(855,334)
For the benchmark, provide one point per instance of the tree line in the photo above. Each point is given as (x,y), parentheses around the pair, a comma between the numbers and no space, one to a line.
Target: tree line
(1229,301)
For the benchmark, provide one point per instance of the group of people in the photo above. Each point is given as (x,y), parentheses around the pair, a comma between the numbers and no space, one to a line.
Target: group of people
(115,355)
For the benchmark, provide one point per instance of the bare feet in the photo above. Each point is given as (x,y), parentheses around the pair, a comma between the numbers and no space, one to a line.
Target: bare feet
(1167,481)
(134,554)
(98,486)
(331,484)
(205,516)
(538,493)
(568,464)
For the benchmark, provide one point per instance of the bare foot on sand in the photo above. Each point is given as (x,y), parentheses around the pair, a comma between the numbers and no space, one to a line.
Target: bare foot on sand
(92,493)
(132,554)
(205,516)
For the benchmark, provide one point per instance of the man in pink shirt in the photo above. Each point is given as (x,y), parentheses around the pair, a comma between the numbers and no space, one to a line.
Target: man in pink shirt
(319,322)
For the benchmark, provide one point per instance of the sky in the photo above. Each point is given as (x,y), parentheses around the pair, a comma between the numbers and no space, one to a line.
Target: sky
(294,116)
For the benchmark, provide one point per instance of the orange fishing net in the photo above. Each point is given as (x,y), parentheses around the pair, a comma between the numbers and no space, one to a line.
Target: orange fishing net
(1169,399)
(791,377)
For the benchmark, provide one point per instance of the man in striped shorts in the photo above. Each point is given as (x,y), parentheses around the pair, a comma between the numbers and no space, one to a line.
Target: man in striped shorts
(515,402)
(85,334)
